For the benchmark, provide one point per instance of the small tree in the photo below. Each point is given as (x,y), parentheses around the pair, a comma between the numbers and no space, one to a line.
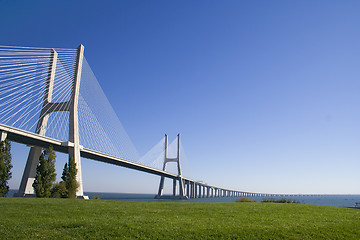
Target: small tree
(45,173)
(65,173)
(69,178)
(71,184)
(5,166)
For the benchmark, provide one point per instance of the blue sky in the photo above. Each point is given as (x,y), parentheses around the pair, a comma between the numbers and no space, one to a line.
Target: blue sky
(264,93)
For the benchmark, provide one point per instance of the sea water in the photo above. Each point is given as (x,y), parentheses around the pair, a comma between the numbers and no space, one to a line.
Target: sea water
(325,200)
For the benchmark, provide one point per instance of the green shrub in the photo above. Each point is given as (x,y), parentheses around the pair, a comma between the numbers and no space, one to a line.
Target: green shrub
(245,200)
(95,197)
(58,190)
(283,200)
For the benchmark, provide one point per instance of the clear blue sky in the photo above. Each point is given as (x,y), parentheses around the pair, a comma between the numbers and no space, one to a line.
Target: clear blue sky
(264,93)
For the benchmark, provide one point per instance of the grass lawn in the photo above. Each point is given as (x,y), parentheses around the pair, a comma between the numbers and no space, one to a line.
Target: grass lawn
(31,218)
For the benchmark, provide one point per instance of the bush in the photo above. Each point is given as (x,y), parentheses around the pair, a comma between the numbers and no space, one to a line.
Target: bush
(58,190)
(95,197)
(245,200)
(283,200)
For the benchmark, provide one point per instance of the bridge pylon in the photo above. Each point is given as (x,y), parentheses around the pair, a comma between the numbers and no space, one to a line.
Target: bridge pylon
(179,178)
(71,106)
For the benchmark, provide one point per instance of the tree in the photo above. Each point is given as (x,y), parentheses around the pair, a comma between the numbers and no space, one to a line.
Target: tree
(69,179)
(65,174)
(5,167)
(71,184)
(45,173)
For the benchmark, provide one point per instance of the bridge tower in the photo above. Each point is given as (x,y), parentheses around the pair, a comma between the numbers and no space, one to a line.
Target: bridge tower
(48,107)
(179,177)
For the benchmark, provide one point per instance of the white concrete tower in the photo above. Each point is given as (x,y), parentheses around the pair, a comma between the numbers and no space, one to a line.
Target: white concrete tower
(71,106)
(179,177)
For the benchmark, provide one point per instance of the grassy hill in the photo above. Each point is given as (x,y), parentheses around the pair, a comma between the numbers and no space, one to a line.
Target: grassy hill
(31,218)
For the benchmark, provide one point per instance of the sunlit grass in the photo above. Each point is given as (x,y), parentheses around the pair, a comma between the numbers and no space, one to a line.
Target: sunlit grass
(25,218)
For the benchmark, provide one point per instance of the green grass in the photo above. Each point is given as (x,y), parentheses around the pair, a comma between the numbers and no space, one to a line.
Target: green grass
(31,218)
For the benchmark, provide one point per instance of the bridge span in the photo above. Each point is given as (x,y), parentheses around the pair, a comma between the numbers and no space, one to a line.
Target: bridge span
(192,188)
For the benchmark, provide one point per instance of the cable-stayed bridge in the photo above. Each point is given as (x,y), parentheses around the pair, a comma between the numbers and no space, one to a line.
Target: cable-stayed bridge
(50,96)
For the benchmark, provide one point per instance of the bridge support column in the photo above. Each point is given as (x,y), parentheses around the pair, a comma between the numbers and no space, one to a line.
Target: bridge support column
(26,188)
(179,177)
(191,190)
(74,151)
(174,187)
(188,189)
(3,136)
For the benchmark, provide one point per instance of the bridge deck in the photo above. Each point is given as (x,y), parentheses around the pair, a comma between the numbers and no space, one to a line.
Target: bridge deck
(33,139)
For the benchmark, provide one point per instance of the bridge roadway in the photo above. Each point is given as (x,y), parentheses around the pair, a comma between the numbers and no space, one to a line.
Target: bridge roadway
(193,189)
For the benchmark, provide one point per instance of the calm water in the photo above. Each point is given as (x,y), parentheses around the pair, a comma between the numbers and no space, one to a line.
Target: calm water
(325,200)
